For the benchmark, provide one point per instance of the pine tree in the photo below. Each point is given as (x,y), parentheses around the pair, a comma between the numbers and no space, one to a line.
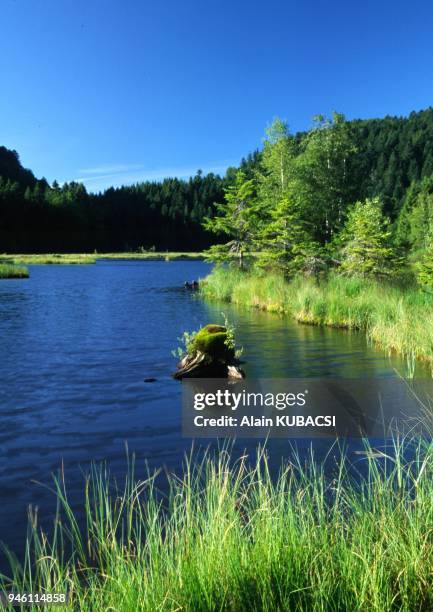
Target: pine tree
(367,249)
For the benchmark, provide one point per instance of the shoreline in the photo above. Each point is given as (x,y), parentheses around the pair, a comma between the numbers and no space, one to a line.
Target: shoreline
(397,320)
(92,258)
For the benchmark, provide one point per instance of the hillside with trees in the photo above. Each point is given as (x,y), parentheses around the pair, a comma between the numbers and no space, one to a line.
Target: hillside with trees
(299,189)
(36,217)
(355,196)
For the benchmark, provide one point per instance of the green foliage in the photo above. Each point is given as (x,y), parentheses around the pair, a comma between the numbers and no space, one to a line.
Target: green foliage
(282,238)
(322,181)
(322,171)
(229,536)
(296,202)
(186,347)
(392,153)
(230,338)
(284,244)
(12,271)
(236,218)
(288,218)
(415,222)
(276,166)
(425,268)
(366,237)
(217,341)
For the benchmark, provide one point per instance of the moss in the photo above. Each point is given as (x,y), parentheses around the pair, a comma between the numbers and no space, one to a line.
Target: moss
(211,340)
(213,328)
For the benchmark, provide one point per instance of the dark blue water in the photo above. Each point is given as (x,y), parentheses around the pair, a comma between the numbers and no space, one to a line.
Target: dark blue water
(76,344)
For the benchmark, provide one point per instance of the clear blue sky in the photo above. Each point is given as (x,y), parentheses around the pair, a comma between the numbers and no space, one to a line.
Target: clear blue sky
(115,91)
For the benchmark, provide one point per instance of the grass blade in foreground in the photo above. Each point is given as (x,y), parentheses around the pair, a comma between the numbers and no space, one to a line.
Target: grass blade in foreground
(229,537)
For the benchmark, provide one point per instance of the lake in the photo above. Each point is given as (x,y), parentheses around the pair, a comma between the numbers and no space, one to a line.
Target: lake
(78,342)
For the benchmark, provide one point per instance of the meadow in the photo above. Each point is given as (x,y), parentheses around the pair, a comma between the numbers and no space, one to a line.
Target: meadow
(228,536)
(396,318)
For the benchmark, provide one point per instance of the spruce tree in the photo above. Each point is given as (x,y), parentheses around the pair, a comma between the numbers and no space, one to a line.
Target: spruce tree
(284,243)
(237,218)
(367,250)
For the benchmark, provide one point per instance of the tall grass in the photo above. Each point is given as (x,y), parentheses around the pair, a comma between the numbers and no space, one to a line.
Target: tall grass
(230,537)
(11,271)
(397,319)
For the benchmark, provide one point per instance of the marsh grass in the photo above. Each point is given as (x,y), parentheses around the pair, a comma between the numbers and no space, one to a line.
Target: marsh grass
(228,536)
(12,271)
(397,319)
(91,258)
(154,256)
(49,258)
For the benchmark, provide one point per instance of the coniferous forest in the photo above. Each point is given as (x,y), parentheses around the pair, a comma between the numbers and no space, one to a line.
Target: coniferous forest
(302,189)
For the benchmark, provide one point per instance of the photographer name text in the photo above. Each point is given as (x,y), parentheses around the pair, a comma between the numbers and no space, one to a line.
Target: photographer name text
(283,420)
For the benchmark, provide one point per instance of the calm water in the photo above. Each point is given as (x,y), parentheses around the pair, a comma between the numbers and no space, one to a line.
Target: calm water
(76,344)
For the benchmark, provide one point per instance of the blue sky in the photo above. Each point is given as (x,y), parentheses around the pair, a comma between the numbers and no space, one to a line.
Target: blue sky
(117,91)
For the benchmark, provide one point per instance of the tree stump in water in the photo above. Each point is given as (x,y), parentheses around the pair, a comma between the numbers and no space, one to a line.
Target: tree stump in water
(209,356)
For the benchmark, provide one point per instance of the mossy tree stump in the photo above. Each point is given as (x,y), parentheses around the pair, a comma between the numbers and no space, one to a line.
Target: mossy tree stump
(209,356)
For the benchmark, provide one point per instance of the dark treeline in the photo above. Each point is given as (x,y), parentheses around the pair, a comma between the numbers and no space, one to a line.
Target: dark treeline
(390,158)
(36,217)
(391,154)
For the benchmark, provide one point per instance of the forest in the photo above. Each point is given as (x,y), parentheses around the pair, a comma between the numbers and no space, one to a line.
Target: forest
(356,197)
(315,178)
(36,217)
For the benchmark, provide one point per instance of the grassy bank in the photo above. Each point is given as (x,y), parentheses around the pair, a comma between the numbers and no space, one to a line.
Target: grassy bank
(91,258)
(228,537)
(398,320)
(12,271)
